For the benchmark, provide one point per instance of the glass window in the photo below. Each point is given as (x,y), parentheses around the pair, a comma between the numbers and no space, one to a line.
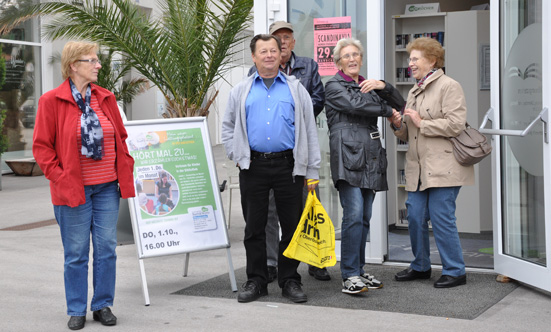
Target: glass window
(522,157)
(19,93)
(28,31)
(20,82)
(301,14)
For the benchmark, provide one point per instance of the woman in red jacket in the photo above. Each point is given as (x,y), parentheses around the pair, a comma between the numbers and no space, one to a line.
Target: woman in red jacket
(79,143)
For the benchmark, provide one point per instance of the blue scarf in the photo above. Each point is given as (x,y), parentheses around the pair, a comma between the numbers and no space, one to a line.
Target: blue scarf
(90,127)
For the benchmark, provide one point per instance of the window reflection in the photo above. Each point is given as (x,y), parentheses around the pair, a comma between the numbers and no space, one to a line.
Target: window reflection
(28,31)
(21,84)
(522,157)
(301,14)
(19,92)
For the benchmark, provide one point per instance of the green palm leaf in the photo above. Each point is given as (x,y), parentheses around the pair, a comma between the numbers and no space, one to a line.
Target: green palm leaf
(183,51)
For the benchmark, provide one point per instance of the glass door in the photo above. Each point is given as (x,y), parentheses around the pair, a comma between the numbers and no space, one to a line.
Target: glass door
(522,157)
(367,27)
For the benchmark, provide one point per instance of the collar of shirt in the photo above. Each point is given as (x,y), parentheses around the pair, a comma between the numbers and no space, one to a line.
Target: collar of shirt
(350,79)
(289,65)
(421,81)
(279,74)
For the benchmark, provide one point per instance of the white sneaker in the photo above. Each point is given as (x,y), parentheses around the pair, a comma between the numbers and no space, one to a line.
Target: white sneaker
(353,285)
(370,281)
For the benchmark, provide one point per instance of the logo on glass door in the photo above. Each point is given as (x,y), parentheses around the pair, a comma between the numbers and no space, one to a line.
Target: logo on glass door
(522,98)
(533,70)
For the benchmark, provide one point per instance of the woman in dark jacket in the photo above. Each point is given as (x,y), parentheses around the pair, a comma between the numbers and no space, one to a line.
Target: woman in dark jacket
(358,160)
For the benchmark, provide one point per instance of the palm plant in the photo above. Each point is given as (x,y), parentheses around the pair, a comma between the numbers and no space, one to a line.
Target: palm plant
(183,52)
(112,77)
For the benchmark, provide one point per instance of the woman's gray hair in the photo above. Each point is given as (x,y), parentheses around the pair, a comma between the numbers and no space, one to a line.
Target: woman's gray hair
(344,43)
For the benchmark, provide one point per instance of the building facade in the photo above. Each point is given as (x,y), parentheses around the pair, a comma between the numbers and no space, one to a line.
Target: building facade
(486,51)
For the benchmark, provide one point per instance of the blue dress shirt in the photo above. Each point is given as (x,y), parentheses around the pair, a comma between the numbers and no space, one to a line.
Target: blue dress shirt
(270,115)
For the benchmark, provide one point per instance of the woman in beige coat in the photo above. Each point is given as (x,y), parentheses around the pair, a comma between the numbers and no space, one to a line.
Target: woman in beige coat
(435,111)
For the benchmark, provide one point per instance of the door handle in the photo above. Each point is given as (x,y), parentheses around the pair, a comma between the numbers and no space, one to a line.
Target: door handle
(543,116)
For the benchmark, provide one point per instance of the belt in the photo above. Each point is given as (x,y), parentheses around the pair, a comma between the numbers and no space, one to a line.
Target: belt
(271,155)
(373,132)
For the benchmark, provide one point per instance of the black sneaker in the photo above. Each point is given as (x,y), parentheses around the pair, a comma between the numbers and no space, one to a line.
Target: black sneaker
(293,291)
(272,273)
(319,274)
(251,292)
(76,322)
(105,316)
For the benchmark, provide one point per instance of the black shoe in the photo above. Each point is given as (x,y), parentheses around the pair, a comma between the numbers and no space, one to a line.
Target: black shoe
(251,291)
(272,273)
(293,291)
(320,274)
(410,274)
(105,316)
(76,322)
(449,281)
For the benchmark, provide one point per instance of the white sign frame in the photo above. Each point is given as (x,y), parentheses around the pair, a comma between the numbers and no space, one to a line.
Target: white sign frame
(181,149)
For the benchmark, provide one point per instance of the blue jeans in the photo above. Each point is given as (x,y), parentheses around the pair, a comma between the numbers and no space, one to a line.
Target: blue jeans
(438,206)
(357,206)
(97,216)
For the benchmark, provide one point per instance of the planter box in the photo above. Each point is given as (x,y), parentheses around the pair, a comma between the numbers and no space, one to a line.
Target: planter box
(25,167)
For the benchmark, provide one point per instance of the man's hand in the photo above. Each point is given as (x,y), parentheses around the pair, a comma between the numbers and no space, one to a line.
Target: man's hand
(313,184)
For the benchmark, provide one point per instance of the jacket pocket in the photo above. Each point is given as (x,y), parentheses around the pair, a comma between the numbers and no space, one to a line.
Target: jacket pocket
(353,155)
(382,161)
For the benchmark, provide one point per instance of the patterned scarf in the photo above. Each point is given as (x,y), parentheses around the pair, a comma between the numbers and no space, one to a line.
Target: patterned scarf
(90,127)
(421,81)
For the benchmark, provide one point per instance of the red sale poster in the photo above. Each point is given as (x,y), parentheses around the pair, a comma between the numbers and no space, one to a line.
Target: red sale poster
(327,32)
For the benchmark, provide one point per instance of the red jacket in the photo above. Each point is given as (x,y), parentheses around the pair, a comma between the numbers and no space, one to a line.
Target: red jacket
(55,144)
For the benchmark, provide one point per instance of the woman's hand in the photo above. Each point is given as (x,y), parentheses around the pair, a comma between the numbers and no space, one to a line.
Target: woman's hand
(395,119)
(414,116)
(371,84)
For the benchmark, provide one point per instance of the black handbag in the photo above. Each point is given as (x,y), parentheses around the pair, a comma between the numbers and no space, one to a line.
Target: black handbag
(470,147)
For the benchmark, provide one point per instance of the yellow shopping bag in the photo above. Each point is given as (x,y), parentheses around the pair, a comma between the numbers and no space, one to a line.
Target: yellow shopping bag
(314,240)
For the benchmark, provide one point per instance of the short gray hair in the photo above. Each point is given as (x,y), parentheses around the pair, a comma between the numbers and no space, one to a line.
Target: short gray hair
(344,43)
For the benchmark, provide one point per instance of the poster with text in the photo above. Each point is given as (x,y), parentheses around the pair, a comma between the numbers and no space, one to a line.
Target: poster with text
(327,32)
(177,203)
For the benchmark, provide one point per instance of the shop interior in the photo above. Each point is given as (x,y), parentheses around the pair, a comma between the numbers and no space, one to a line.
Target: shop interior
(465,34)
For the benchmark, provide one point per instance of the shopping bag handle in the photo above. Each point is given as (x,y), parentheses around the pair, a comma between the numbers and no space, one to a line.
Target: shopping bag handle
(309,182)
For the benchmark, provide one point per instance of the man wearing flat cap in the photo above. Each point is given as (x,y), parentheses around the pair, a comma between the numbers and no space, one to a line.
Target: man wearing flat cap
(306,71)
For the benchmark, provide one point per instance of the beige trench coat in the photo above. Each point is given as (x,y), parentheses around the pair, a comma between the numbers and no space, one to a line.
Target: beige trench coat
(429,160)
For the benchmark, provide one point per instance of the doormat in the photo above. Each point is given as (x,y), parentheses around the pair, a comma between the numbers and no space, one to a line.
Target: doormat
(418,297)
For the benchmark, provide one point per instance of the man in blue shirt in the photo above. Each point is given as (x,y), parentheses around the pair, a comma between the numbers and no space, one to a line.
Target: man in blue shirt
(269,131)
(306,71)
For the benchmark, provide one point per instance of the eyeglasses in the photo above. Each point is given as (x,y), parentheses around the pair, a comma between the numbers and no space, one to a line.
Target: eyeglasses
(92,61)
(347,56)
(413,60)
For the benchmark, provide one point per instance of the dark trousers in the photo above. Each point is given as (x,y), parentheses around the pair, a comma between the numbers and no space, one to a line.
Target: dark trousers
(255,184)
